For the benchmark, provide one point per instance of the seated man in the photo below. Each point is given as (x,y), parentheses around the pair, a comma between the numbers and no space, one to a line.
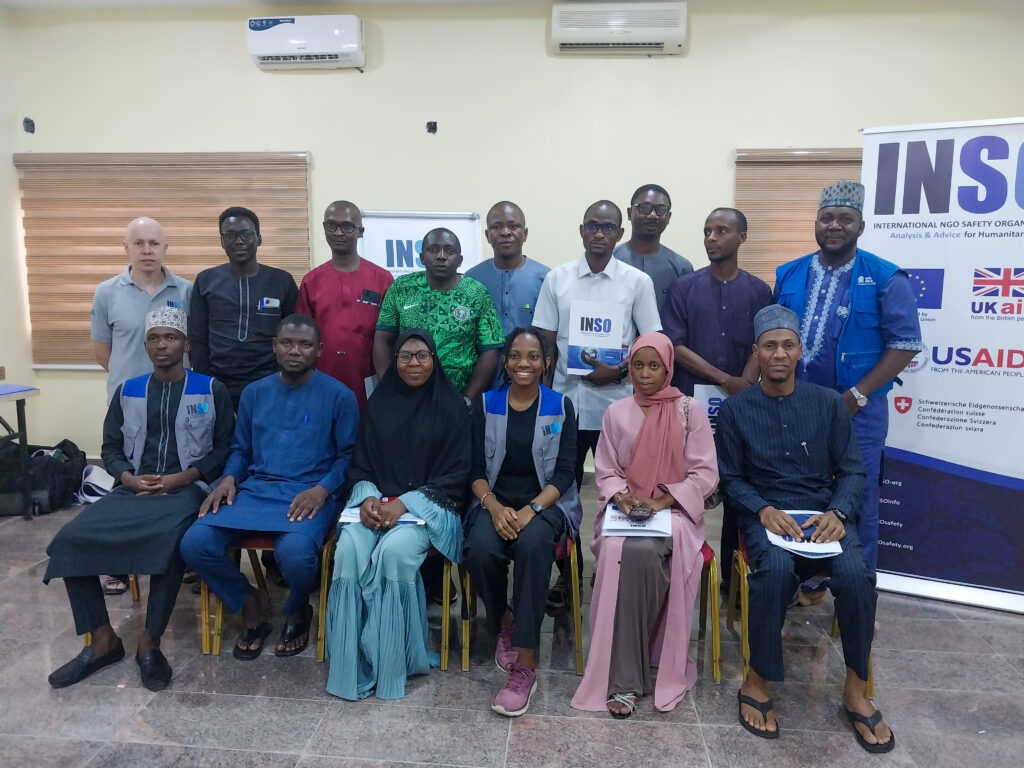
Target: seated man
(788,445)
(293,442)
(165,433)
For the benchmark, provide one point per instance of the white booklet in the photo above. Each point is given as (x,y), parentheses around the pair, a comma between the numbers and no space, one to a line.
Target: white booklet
(617,524)
(595,329)
(711,397)
(351,515)
(806,547)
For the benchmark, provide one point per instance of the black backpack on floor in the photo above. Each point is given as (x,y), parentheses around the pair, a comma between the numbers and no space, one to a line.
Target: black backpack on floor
(52,479)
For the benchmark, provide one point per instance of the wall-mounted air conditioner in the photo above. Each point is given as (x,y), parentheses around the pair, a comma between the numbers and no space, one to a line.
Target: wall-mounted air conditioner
(619,27)
(306,42)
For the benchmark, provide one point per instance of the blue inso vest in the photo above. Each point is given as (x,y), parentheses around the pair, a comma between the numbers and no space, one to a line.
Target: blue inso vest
(547,434)
(193,424)
(860,340)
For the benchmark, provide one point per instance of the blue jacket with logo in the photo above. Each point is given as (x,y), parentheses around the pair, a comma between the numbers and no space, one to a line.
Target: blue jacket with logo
(861,343)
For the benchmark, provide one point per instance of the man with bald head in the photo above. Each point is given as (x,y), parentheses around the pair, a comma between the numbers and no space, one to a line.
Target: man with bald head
(344,297)
(120,305)
(456,309)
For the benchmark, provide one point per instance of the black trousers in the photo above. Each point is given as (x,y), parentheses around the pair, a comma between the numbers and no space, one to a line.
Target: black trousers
(774,577)
(729,543)
(90,609)
(486,556)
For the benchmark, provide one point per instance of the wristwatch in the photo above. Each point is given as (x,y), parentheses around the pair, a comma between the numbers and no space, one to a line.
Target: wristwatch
(469,402)
(537,508)
(843,517)
(623,370)
(861,400)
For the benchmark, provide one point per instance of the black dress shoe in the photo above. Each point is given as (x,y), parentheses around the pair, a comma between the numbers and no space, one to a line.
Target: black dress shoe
(155,671)
(84,664)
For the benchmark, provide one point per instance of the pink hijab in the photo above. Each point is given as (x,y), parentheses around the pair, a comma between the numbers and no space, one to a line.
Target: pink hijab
(657,454)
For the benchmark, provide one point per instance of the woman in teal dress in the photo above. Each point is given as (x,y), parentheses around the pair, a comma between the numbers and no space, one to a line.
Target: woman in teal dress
(412,455)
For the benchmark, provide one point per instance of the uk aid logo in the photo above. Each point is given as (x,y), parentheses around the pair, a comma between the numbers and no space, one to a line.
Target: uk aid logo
(998,292)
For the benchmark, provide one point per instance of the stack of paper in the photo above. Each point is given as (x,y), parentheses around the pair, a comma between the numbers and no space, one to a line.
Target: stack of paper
(805,548)
(351,515)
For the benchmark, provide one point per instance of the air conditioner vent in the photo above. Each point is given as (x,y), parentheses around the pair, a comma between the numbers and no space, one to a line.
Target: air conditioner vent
(639,28)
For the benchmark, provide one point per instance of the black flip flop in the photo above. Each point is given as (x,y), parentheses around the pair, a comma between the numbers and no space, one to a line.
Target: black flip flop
(871,723)
(764,707)
(292,631)
(252,635)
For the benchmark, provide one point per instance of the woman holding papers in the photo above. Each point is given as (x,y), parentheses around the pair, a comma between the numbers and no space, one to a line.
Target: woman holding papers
(524,454)
(656,450)
(412,455)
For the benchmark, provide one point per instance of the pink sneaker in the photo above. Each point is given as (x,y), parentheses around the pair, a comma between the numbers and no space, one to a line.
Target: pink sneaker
(514,697)
(505,653)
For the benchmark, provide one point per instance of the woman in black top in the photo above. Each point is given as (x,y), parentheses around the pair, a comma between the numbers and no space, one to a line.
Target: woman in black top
(524,453)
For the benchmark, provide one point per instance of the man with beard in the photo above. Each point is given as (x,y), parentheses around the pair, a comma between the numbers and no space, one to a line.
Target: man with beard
(649,212)
(788,445)
(859,328)
(344,297)
(293,442)
(166,435)
(456,309)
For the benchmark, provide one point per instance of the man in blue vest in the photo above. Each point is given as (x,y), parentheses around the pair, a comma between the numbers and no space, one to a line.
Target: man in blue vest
(858,327)
(165,437)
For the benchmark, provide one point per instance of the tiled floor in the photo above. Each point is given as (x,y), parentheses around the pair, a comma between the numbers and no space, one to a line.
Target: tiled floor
(949,678)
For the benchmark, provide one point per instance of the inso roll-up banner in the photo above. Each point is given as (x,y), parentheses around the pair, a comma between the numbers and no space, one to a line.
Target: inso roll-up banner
(394,239)
(946,203)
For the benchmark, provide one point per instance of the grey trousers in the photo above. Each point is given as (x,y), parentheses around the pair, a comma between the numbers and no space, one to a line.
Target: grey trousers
(644,577)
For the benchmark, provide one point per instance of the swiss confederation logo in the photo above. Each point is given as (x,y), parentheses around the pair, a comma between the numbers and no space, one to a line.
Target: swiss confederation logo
(1005,282)
(927,286)
(903,403)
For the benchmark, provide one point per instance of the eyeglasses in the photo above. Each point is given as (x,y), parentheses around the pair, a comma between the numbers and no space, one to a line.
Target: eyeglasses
(245,235)
(421,356)
(644,209)
(608,227)
(434,250)
(345,226)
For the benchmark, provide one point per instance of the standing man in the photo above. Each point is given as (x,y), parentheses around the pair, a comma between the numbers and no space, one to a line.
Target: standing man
(120,305)
(236,308)
(166,435)
(456,309)
(788,445)
(649,212)
(344,297)
(709,316)
(858,326)
(513,280)
(595,277)
(293,442)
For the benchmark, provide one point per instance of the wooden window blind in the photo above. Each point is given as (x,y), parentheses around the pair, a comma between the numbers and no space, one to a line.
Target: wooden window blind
(76,207)
(778,190)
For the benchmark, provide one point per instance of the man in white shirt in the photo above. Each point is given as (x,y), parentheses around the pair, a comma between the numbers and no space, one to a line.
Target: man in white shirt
(599,278)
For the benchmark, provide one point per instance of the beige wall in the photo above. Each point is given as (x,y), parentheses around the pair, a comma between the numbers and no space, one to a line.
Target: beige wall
(552,133)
